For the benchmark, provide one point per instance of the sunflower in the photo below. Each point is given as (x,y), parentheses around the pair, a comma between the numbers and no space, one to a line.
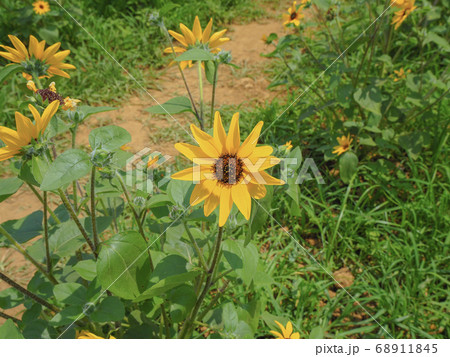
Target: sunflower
(286,332)
(37,60)
(344,145)
(26,130)
(227,170)
(196,38)
(294,14)
(86,335)
(406,8)
(41,7)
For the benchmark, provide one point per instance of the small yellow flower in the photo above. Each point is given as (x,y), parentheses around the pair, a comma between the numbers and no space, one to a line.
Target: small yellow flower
(288,146)
(294,14)
(400,74)
(264,38)
(86,335)
(41,7)
(196,37)
(344,145)
(70,103)
(26,130)
(125,147)
(36,50)
(31,86)
(227,170)
(152,161)
(406,8)
(286,332)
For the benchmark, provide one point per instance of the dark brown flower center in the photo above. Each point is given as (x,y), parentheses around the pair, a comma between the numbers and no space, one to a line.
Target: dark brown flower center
(41,6)
(47,94)
(294,15)
(229,169)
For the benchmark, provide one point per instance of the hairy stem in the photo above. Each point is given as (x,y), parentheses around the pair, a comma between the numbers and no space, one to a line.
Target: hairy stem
(57,220)
(93,216)
(47,248)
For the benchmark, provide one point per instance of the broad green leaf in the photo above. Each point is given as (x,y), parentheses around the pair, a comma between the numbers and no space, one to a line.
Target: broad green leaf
(69,166)
(10,331)
(348,164)
(7,71)
(87,111)
(180,192)
(438,40)
(10,298)
(195,54)
(122,266)
(110,309)
(109,137)
(182,300)
(33,171)
(369,98)
(87,269)
(70,293)
(9,186)
(25,228)
(210,68)
(49,33)
(242,259)
(172,106)
(67,316)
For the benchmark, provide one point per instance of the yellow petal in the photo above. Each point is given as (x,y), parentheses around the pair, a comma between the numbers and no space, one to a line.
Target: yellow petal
(225,205)
(283,330)
(57,57)
(51,50)
(14,52)
(277,335)
(10,57)
(33,46)
(216,36)
(242,199)
(197,29)
(218,42)
(190,151)
(207,32)
(25,128)
(10,137)
(176,49)
(249,144)
(263,178)
(262,151)
(255,164)
(202,191)
(188,35)
(256,191)
(179,37)
(47,115)
(288,329)
(219,132)
(233,138)
(205,141)
(58,72)
(295,336)
(194,174)
(20,47)
(212,201)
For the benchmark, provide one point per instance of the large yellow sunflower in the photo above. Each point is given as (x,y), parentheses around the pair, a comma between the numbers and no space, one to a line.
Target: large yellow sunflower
(26,130)
(197,37)
(41,7)
(294,14)
(407,6)
(49,60)
(227,171)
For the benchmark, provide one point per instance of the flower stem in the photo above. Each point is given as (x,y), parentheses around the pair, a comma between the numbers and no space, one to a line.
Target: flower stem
(136,217)
(74,183)
(200,87)
(213,95)
(196,247)
(57,220)
(93,217)
(187,327)
(6,317)
(21,249)
(28,293)
(73,215)
(47,248)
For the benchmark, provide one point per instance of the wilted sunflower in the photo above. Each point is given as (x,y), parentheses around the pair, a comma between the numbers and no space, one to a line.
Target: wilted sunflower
(26,130)
(197,38)
(41,7)
(406,8)
(37,60)
(86,335)
(227,170)
(294,14)
(286,332)
(344,144)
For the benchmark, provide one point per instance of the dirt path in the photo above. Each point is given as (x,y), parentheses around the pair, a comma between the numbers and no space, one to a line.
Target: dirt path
(247,85)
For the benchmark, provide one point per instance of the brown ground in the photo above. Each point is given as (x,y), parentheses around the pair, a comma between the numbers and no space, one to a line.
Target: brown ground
(247,85)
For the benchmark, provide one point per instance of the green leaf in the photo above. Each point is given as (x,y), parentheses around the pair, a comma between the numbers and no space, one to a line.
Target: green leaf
(317,333)
(122,266)
(182,300)
(172,106)
(33,171)
(195,54)
(109,138)
(25,228)
(69,166)
(7,71)
(87,111)
(10,331)
(49,33)
(110,309)
(369,98)
(67,316)
(10,298)
(242,259)
(259,214)
(348,164)
(179,192)
(210,68)
(9,186)
(70,293)
(438,40)
(86,269)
